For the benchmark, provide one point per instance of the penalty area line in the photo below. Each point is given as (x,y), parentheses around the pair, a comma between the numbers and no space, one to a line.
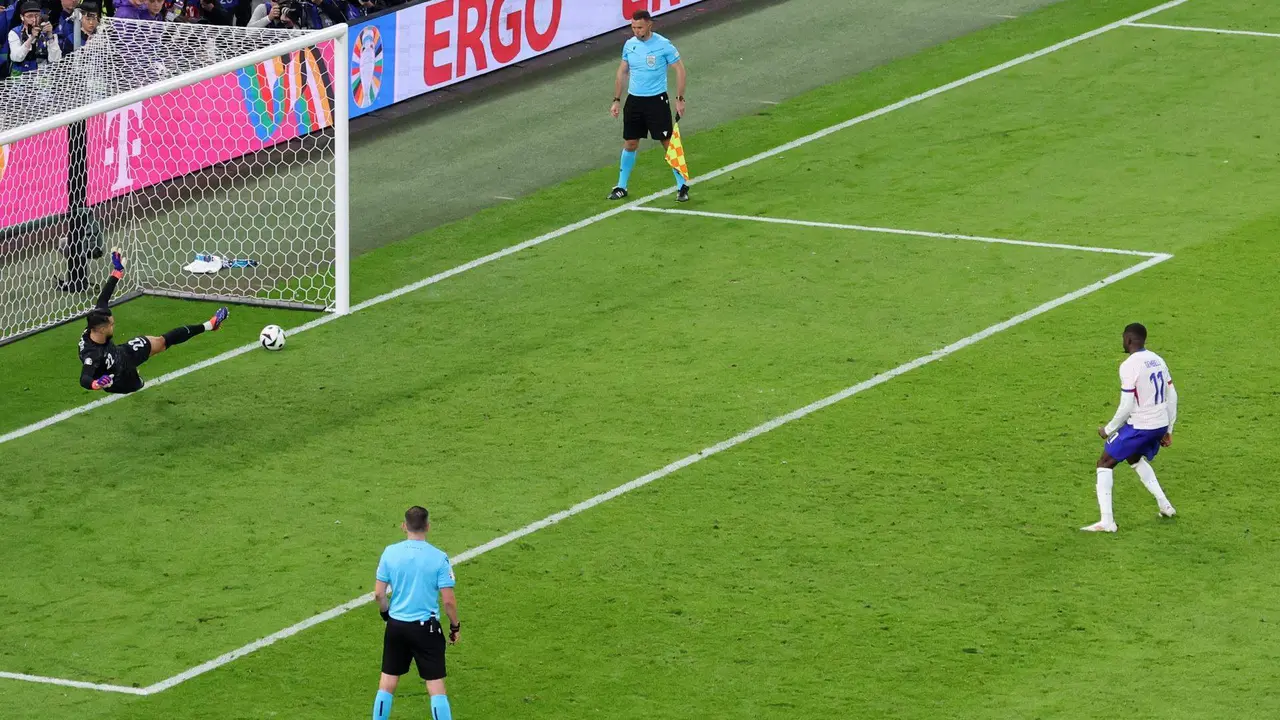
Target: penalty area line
(616,492)
(1210,30)
(680,464)
(899,231)
(63,682)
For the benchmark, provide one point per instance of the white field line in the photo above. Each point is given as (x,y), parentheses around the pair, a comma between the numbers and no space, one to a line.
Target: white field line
(898,231)
(168,377)
(639,482)
(673,467)
(73,683)
(1218,31)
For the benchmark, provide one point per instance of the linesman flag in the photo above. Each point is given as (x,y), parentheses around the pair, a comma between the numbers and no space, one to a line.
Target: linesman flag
(675,152)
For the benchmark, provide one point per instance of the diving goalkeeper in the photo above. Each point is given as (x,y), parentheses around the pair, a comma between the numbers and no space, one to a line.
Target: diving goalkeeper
(113,368)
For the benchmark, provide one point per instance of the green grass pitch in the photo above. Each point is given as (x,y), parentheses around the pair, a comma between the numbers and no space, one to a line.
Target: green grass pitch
(911,552)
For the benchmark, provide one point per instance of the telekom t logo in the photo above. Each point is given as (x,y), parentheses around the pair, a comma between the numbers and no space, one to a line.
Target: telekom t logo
(124,149)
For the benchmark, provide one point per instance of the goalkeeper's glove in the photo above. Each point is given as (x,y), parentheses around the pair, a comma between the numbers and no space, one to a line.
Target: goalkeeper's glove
(117,262)
(102,383)
(386,616)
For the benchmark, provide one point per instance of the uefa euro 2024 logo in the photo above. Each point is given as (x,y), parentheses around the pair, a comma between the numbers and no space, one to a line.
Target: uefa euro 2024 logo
(366,66)
(290,93)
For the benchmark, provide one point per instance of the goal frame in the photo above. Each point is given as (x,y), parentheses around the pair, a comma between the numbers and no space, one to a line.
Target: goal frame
(341,161)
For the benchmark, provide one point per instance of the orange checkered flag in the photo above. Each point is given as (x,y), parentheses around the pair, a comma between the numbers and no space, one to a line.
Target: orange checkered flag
(675,152)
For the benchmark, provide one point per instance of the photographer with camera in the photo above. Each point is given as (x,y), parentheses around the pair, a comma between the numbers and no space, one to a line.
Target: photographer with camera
(32,44)
(283,14)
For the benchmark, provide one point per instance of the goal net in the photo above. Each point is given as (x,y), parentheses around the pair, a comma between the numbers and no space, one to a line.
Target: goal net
(215,157)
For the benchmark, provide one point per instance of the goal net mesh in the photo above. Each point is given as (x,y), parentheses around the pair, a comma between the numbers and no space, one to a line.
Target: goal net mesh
(221,188)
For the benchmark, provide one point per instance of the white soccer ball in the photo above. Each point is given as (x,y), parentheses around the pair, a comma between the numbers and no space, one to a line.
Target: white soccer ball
(272,337)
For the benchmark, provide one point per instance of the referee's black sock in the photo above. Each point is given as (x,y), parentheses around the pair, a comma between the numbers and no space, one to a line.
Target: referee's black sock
(179,335)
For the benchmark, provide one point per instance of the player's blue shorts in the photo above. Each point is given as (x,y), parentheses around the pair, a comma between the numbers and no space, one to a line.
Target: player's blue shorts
(1129,441)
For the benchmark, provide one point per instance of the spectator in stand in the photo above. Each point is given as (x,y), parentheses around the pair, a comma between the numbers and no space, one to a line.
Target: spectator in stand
(80,27)
(357,9)
(202,12)
(32,43)
(241,12)
(65,24)
(215,12)
(56,10)
(140,10)
(177,10)
(6,20)
(331,12)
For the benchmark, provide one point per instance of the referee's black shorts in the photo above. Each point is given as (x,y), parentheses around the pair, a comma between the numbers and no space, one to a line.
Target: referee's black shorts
(647,115)
(421,642)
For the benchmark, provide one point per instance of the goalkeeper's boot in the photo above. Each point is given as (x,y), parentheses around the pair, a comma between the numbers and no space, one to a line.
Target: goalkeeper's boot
(618,193)
(218,318)
(1167,511)
(682,195)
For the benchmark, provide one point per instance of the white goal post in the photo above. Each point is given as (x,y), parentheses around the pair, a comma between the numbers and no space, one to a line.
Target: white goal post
(215,157)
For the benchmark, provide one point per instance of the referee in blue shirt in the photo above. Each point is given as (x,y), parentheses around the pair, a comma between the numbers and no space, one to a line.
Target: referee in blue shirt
(645,59)
(420,580)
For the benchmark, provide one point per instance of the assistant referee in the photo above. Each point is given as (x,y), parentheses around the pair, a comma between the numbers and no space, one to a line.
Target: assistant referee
(645,59)
(420,580)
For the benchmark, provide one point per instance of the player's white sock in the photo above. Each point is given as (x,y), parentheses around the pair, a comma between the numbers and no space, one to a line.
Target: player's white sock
(1104,495)
(1147,474)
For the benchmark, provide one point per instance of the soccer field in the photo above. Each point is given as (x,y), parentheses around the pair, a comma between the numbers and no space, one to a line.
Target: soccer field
(816,444)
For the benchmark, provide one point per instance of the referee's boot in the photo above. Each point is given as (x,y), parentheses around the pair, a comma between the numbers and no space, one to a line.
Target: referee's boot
(682,195)
(618,193)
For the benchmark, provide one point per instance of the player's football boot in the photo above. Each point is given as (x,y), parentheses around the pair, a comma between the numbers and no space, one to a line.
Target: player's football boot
(618,193)
(219,317)
(683,194)
(1100,527)
(1167,511)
